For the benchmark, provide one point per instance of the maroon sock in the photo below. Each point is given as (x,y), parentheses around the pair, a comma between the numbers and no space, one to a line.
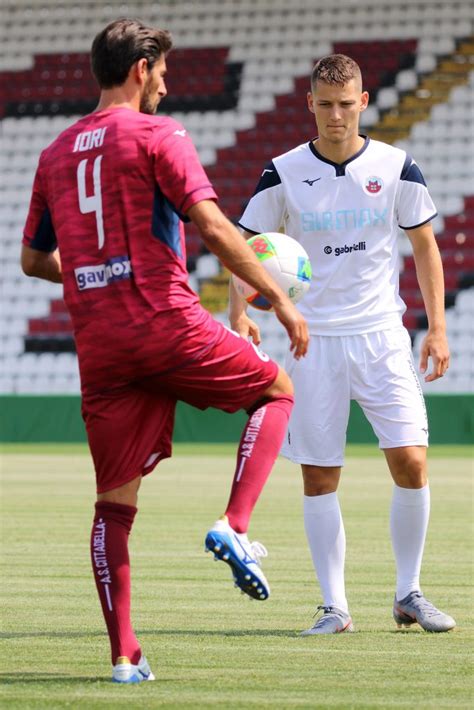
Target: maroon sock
(259,446)
(111,566)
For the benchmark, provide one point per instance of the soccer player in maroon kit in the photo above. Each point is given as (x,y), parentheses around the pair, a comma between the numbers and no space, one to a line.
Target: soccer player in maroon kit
(105,219)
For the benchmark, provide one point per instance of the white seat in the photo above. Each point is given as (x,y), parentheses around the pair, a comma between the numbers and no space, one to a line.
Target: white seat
(67,364)
(465,302)
(12,345)
(370,116)
(207,266)
(425,63)
(59,384)
(27,364)
(406,80)
(16,325)
(462,383)
(463,344)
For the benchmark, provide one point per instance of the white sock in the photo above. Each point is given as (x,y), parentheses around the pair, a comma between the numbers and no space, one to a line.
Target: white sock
(327,542)
(409,517)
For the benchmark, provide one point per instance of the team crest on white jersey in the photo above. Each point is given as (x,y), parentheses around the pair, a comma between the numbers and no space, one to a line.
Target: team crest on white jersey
(373,184)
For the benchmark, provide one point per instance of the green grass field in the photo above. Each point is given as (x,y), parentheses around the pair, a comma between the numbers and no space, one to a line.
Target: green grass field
(208,645)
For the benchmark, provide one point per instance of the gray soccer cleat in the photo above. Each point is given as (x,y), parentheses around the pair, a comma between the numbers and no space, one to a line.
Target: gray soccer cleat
(416,609)
(332,621)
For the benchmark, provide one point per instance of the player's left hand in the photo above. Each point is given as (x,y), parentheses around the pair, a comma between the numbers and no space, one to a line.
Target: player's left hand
(246,328)
(434,346)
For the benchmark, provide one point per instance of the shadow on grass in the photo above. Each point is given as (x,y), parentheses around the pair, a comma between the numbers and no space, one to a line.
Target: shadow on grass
(232,633)
(150,632)
(34,678)
(23,677)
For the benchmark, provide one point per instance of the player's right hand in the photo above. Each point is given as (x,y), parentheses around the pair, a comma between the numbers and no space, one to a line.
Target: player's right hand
(434,346)
(296,327)
(246,328)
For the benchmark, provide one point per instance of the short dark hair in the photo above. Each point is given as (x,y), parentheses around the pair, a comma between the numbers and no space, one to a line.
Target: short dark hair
(335,69)
(122,43)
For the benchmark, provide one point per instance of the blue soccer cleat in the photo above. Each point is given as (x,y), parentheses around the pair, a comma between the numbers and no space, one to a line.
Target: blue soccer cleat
(126,672)
(242,557)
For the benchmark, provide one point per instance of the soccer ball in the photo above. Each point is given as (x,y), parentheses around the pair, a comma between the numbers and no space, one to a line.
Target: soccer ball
(285,260)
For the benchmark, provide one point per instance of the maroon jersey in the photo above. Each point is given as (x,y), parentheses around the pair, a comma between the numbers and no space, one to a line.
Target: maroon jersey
(111,193)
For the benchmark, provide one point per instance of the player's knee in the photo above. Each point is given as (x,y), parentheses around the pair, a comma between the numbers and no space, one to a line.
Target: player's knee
(415,474)
(320,480)
(281,386)
(127,494)
(408,466)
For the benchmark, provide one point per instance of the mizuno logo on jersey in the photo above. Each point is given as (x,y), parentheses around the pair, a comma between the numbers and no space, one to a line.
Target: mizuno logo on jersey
(311,182)
(181,133)
(101,275)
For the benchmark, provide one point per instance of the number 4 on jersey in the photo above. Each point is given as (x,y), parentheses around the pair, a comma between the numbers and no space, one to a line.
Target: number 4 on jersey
(91,203)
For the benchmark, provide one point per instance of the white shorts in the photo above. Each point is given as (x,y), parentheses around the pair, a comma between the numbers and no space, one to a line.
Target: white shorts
(374,369)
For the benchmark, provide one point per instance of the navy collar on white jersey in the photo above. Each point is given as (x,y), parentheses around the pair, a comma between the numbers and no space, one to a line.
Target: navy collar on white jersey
(340,168)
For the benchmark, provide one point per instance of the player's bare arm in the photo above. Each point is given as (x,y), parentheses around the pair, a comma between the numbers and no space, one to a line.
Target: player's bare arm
(43,265)
(227,243)
(239,318)
(429,270)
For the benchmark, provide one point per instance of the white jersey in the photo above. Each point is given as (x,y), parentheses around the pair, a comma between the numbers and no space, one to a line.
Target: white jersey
(346,216)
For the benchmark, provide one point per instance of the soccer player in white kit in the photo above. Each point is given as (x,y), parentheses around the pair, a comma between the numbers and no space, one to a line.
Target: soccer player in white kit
(344,196)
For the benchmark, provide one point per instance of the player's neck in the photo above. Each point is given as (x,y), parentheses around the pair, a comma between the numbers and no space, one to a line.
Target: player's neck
(338,152)
(118,98)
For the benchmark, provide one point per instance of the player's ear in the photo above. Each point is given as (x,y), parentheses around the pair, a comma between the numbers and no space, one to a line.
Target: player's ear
(141,70)
(310,100)
(364,100)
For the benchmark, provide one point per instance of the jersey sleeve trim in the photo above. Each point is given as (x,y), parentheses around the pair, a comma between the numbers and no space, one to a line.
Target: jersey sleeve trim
(191,199)
(251,231)
(44,238)
(411,172)
(421,223)
(269,178)
(165,222)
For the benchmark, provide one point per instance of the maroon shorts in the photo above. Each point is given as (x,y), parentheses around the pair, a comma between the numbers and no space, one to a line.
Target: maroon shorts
(130,428)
